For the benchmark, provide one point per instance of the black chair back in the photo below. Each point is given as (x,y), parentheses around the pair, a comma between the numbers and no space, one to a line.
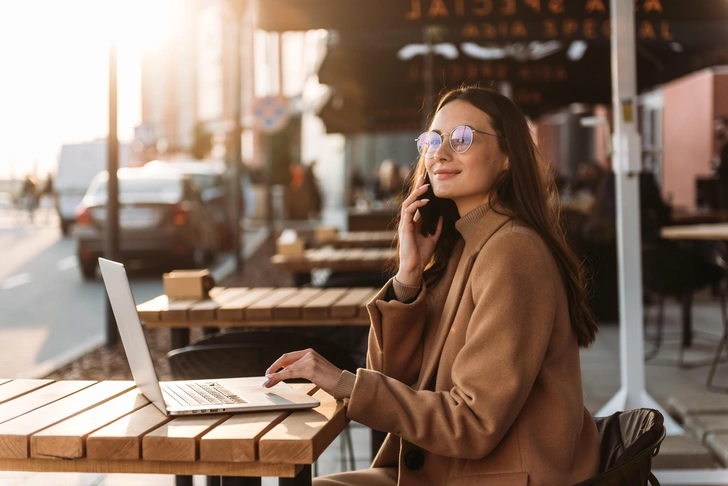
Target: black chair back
(627,443)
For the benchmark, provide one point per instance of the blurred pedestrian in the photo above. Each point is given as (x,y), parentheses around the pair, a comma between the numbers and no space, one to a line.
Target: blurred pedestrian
(473,361)
(29,196)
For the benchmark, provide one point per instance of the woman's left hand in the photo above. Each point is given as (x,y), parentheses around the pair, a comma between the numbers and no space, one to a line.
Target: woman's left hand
(306,364)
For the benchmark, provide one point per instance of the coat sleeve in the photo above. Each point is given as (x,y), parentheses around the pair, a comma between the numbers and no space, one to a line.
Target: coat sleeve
(514,302)
(395,336)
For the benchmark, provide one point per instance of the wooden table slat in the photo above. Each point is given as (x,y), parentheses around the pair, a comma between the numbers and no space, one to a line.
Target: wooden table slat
(177,309)
(67,439)
(292,307)
(234,310)
(320,307)
(206,310)
(236,439)
(121,440)
(151,310)
(16,388)
(718,231)
(15,434)
(39,398)
(177,440)
(303,436)
(263,309)
(350,304)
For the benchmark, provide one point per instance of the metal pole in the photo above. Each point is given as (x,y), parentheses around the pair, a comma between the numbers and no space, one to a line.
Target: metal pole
(428,75)
(626,164)
(111,236)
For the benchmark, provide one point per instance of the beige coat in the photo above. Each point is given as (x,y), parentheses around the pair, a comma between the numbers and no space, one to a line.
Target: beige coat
(478,380)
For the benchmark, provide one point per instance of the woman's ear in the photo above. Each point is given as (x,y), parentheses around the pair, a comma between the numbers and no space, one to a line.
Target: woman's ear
(507,163)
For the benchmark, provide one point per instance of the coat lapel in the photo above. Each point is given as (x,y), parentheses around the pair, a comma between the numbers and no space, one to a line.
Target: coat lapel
(488,225)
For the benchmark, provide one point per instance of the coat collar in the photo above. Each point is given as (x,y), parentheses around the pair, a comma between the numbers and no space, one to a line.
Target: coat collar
(476,234)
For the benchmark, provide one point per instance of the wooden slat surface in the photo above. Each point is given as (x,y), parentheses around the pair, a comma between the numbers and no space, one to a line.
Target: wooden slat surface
(267,307)
(67,439)
(15,434)
(39,398)
(236,439)
(263,309)
(233,310)
(338,260)
(15,388)
(304,435)
(353,302)
(362,239)
(150,311)
(122,440)
(319,307)
(177,440)
(718,231)
(110,427)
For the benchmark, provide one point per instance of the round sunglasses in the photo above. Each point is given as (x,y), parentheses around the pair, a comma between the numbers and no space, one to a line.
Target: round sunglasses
(461,139)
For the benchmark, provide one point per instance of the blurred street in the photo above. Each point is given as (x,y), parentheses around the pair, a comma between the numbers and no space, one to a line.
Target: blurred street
(49,314)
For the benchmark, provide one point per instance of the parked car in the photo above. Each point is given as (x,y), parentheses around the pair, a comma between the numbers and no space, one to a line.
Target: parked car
(161,219)
(210,177)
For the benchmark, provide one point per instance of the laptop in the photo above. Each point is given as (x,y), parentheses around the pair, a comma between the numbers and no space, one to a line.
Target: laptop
(188,396)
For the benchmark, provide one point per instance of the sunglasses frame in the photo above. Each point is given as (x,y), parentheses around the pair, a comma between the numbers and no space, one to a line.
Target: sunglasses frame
(449,138)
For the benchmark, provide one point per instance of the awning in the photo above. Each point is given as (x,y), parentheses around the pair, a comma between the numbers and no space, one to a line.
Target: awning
(374,89)
(699,22)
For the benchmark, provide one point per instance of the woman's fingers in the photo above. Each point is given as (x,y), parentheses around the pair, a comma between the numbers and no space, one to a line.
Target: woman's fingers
(286,360)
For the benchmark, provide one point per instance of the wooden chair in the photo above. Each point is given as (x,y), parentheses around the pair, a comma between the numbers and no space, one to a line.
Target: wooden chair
(627,443)
(230,354)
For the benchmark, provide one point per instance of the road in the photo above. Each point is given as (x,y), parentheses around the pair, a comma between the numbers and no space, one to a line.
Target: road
(48,314)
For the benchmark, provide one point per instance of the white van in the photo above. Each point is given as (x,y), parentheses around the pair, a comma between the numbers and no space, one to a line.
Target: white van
(77,166)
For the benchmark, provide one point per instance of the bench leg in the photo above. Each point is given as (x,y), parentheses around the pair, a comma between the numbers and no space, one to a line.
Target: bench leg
(303,478)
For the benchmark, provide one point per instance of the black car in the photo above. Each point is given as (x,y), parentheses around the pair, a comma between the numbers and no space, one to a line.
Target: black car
(161,219)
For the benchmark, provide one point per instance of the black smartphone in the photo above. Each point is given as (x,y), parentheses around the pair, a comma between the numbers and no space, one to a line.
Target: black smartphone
(430,212)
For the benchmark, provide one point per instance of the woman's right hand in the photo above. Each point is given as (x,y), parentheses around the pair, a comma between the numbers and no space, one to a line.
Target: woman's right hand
(415,250)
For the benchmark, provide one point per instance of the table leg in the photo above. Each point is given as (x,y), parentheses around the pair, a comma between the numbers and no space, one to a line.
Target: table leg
(183,480)
(687,319)
(180,337)
(237,481)
(303,478)
(301,279)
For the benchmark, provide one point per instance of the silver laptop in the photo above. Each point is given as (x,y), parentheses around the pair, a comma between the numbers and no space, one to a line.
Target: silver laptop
(188,397)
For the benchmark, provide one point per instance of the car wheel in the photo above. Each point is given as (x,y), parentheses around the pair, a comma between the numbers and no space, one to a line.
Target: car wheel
(88,269)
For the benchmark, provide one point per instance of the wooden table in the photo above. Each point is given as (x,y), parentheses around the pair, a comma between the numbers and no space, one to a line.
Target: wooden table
(361,239)
(336,260)
(258,307)
(717,231)
(108,427)
(372,219)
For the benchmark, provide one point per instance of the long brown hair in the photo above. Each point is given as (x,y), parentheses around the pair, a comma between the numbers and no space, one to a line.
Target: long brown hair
(526,190)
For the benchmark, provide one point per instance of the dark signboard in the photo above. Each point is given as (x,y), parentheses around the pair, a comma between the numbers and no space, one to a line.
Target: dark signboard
(502,20)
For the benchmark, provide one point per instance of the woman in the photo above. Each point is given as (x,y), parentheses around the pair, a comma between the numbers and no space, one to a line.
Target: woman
(473,363)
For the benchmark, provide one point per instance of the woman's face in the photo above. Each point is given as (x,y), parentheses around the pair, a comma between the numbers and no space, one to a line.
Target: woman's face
(465,178)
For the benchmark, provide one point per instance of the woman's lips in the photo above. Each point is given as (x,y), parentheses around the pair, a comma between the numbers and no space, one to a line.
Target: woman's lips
(443,175)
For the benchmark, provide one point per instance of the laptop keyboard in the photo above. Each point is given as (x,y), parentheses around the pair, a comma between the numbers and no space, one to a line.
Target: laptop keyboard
(200,394)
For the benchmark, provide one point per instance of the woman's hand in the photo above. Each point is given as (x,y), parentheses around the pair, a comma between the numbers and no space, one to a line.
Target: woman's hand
(415,250)
(306,364)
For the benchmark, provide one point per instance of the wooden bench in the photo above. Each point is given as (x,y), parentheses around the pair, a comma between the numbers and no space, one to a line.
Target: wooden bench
(109,427)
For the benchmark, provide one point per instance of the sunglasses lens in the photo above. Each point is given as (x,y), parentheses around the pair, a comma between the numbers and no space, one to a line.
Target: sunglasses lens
(461,139)
(428,143)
